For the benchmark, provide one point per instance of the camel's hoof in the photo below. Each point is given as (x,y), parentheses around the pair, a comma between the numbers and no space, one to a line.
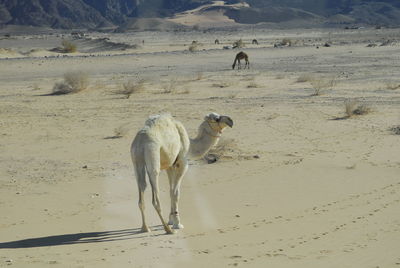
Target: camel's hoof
(145,229)
(178,226)
(169,231)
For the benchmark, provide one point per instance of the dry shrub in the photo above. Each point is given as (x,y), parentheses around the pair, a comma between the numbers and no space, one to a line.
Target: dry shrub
(395,130)
(232,95)
(119,132)
(36,87)
(131,87)
(194,46)
(253,85)
(286,42)
(199,76)
(305,78)
(170,87)
(279,76)
(68,46)
(183,91)
(322,83)
(222,84)
(239,44)
(353,108)
(392,85)
(248,78)
(73,83)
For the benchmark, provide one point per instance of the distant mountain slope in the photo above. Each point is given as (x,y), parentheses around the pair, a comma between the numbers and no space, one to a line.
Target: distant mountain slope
(53,13)
(100,13)
(84,13)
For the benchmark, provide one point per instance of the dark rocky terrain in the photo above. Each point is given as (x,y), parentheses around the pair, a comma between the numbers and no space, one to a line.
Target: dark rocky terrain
(70,14)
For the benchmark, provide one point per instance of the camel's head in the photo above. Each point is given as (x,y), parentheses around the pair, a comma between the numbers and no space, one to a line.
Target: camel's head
(218,122)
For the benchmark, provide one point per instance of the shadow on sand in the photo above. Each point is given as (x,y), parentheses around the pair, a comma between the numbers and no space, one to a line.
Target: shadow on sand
(78,238)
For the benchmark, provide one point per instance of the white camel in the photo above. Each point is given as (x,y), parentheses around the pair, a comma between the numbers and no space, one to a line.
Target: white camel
(163,144)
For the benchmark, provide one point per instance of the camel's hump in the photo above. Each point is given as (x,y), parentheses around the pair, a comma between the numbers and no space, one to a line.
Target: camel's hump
(158,118)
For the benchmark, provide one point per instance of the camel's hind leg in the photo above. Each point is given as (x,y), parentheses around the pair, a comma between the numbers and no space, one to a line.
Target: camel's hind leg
(141,181)
(175,175)
(152,157)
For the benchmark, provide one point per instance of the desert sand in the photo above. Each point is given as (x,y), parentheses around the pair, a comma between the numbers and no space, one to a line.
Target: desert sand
(297,183)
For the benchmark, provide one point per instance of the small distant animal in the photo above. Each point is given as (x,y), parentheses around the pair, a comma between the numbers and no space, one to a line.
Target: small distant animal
(240,56)
(216,42)
(254,42)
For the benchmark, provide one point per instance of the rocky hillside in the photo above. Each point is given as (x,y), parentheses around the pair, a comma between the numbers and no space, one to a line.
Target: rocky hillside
(110,13)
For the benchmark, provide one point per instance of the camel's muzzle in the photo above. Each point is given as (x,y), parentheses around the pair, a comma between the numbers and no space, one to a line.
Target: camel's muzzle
(227,120)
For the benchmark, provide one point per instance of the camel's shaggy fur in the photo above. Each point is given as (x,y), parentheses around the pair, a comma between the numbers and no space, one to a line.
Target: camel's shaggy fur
(163,144)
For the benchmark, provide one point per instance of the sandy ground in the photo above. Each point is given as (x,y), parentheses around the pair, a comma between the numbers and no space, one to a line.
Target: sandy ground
(298,184)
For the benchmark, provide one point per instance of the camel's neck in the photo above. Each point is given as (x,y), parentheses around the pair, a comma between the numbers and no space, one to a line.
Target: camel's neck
(205,140)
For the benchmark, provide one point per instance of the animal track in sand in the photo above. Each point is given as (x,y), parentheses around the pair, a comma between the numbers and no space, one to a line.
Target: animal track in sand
(332,206)
(369,204)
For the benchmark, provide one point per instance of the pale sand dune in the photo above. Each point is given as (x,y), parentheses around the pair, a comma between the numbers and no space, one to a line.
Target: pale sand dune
(209,15)
(298,185)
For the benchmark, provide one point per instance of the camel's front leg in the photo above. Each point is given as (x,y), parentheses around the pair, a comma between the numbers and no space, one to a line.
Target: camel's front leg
(175,175)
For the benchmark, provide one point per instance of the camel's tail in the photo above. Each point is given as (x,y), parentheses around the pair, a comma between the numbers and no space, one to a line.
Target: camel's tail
(139,165)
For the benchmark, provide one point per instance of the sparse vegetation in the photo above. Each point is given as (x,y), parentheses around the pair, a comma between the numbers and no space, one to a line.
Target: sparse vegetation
(392,85)
(239,44)
(119,132)
(286,42)
(36,87)
(353,108)
(199,76)
(279,76)
(173,87)
(184,91)
(68,46)
(232,95)
(305,78)
(170,87)
(73,83)
(395,130)
(222,84)
(194,46)
(253,85)
(322,83)
(131,87)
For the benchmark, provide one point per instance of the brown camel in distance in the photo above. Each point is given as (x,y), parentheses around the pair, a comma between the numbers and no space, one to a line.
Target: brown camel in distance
(240,56)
